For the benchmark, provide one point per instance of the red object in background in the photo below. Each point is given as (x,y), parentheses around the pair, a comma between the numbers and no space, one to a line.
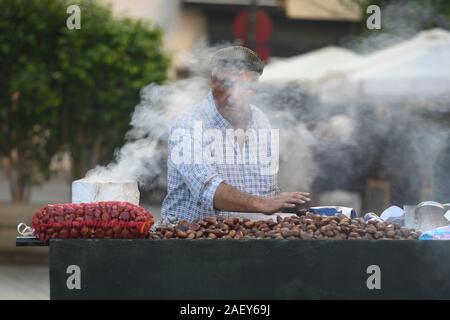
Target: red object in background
(263,28)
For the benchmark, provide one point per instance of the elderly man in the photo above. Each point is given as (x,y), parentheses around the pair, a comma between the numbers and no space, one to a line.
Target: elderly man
(226,170)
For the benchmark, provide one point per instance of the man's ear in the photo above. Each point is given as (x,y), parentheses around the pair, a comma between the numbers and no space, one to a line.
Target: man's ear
(213,83)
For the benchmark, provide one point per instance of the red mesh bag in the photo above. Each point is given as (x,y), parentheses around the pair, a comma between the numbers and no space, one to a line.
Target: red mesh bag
(109,219)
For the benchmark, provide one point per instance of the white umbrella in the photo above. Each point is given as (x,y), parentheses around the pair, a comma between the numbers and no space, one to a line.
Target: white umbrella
(309,66)
(417,68)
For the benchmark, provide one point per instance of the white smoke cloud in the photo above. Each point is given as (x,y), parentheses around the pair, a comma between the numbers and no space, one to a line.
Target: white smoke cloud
(409,139)
(143,157)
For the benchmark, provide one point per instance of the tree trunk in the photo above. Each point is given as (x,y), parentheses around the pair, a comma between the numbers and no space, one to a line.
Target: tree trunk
(19,190)
(96,150)
(78,157)
(78,162)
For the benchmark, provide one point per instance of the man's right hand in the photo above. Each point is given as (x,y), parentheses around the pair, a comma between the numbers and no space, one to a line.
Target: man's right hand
(284,200)
(228,198)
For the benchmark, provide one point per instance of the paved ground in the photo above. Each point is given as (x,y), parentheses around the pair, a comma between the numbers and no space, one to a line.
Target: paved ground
(55,190)
(24,282)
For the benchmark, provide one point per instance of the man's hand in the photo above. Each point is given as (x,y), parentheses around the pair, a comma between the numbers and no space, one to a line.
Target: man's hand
(284,200)
(228,198)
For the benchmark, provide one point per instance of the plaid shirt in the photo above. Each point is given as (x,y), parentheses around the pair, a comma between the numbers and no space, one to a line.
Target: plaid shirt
(191,186)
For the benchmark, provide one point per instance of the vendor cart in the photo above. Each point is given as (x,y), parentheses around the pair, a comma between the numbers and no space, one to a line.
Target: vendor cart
(247,269)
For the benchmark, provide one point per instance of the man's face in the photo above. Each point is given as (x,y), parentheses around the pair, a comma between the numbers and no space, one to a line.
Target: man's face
(237,87)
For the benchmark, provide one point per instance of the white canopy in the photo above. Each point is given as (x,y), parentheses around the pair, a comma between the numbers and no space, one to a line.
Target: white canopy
(310,66)
(417,68)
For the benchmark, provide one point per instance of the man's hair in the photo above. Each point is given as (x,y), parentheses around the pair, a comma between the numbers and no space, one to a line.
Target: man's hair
(236,58)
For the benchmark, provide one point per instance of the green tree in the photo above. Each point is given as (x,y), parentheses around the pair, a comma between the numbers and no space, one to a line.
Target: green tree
(71,90)
(104,65)
(29,101)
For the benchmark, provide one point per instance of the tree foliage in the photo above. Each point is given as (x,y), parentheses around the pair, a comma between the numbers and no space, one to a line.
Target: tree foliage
(69,90)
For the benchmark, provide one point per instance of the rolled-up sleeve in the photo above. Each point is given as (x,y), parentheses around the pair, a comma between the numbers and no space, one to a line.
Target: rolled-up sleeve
(202,179)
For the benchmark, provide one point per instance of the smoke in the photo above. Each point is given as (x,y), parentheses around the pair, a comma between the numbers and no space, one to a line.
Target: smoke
(143,157)
(322,146)
(405,134)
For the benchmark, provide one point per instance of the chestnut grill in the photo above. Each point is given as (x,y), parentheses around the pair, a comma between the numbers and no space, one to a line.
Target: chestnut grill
(248,269)
(304,256)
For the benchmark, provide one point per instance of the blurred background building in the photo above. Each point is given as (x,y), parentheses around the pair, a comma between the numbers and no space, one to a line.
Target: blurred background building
(282,28)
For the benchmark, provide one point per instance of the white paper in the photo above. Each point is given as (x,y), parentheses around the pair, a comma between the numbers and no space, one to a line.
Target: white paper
(392,212)
(84,191)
